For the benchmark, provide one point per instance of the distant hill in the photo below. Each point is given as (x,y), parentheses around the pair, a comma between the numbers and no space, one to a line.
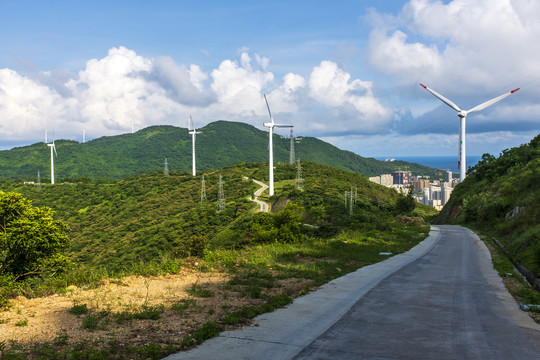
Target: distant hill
(221,144)
(501,197)
(152,216)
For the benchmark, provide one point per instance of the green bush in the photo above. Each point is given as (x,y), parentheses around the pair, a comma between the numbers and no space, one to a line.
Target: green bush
(30,240)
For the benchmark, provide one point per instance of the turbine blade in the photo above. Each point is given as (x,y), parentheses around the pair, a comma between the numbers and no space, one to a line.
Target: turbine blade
(190,123)
(269,112)
(54,148)
(492,101)
(442,98)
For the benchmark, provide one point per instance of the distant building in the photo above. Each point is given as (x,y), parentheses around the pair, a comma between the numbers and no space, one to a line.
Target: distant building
(387,179)
(449,176)
(401,177)
(446,191)
(420,184)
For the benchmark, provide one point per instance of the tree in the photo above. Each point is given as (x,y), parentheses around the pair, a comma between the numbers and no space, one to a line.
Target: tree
(31,241)
(406,204)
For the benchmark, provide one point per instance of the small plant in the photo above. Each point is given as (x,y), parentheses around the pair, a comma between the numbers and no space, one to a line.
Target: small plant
(94,321)
(150,312)
(23,322)
(207,331)
(199,291)
(150,351)
(61,338)
(79,310)
(182,305)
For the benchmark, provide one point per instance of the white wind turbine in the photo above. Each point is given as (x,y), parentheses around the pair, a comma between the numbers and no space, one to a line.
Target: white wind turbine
(193,133)
(53,148)
(271,125)
(463,116)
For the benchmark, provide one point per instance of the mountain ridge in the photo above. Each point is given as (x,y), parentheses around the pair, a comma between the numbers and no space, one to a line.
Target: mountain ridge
(222,143)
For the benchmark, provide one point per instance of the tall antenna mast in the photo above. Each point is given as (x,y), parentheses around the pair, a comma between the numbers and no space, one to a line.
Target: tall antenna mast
(291,153)
(299,180)
(221,196)
(166,167)
(203,189)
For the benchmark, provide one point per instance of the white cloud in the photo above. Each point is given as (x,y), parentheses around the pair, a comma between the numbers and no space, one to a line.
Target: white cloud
(460,44)
(239,88)
(358,109)
(123,88)
(27,106)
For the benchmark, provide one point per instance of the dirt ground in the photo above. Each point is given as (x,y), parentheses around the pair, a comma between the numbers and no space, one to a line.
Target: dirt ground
(39,320)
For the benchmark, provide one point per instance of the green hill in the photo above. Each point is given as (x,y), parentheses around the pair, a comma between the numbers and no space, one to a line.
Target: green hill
(221,144)
(500,197)
(153,216)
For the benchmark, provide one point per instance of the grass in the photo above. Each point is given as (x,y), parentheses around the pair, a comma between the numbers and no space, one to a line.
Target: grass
(199,291)
(254,271)
(514,282)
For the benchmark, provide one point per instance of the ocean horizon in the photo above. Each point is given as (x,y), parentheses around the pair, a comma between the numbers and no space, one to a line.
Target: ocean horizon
(438,162)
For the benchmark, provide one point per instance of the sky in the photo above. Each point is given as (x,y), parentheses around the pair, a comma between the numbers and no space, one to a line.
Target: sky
(347,72)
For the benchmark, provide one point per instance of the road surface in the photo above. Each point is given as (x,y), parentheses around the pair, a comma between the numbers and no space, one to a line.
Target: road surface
(441,300)
(263,206)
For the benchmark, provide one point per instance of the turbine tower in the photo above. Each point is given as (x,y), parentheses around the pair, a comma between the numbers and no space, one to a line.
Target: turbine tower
(193,133)
(271,125)
(463,116)
(53,148)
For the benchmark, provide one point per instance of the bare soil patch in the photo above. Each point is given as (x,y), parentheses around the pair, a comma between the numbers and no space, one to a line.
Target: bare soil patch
(41,320)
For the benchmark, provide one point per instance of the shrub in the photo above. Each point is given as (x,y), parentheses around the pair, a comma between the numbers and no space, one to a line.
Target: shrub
(30,240)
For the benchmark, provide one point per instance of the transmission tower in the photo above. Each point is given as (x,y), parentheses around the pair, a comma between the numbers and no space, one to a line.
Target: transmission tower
(166,168)
(291,154)
(203,189)
(299,180)
(38,181)
(351,203)
(221,197)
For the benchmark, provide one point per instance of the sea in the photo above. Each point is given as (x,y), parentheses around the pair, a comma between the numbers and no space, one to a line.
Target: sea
(438,162)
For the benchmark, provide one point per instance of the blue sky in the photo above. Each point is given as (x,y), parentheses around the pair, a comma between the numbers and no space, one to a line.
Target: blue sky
(346,72)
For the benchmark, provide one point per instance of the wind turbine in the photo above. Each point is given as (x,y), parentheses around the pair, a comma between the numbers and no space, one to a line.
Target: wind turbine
(53,148)
(463,116)
(271,125)
(193,133)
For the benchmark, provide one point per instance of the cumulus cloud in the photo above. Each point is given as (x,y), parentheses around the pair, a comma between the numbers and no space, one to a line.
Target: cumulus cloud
(475,44)
(469,51)
(27,106)
(123,89)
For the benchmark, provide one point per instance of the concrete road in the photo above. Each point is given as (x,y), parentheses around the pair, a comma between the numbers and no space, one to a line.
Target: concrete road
(263,206)
(441,300)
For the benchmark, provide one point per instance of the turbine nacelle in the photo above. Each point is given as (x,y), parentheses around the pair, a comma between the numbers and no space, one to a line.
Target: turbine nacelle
(462,113)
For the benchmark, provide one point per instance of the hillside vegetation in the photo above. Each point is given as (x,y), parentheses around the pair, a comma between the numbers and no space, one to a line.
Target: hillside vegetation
(156,224)
(500,197)
(221,144)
